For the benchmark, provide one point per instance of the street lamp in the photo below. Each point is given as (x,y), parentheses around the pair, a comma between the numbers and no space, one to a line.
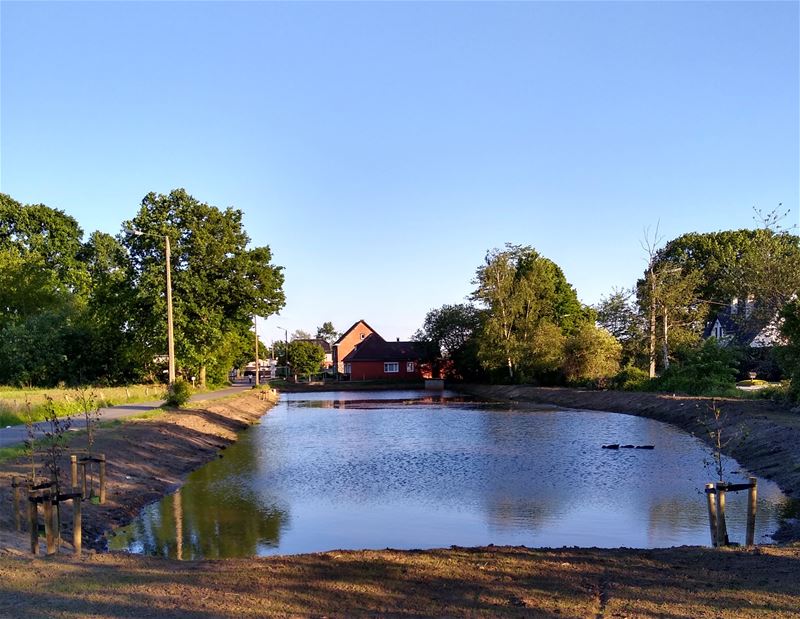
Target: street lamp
(170,337)
(286,332)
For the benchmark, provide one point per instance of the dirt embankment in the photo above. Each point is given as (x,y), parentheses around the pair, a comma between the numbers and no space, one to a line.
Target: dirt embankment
(766,436)
(147,459)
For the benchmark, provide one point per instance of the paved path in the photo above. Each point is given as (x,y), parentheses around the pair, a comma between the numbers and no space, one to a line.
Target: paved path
(13,435)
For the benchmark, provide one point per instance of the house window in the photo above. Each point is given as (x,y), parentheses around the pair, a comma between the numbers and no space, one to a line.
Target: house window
(363,335)
(390,367)
(410,366)
(347,368)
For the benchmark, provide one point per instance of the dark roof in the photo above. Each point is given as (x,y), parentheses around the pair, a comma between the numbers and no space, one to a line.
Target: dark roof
(319,342)
(741,331)
(375,348)
(355,324)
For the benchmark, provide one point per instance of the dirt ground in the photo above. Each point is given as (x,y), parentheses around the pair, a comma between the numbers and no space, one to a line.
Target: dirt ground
(457,582)
(150,457)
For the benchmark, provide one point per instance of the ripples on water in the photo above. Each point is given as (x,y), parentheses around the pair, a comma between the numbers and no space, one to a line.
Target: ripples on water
(411,470)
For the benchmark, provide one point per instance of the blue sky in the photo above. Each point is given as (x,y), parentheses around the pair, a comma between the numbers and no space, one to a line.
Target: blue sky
(381,149)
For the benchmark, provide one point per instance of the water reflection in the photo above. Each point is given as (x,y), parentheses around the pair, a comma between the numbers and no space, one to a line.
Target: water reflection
(411,469)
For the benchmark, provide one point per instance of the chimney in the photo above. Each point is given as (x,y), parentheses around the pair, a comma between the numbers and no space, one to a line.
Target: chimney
(398,339)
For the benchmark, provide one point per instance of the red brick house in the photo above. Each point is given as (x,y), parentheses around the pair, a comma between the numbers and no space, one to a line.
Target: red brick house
(348,341)
(370,357)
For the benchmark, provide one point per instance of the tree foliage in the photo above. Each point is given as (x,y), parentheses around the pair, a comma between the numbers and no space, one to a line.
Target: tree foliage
(79,312)
(305,357)
(450,333)
(763,264)
(591,354)
(328,333)
(620,316)
(528,301)
(218,283)
(791,354)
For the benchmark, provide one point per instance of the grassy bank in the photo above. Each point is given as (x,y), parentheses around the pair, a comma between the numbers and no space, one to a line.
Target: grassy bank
(19,404)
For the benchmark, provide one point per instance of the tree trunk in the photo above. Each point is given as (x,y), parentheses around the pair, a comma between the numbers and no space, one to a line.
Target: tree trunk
(510,369)
(652,347)
(202,377)
(665,343)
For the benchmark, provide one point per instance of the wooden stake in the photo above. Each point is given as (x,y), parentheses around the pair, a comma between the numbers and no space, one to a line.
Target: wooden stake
(17,518)
(73,460)
(712,513)
(77,532)
(85,492)
(33,512)
(722,530)
(49,531)
(751,511)
(102,458)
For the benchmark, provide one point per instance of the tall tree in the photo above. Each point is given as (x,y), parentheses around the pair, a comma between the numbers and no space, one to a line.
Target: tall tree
(218,283)
(618,314)
(524,294)
(328,333)
(451,334)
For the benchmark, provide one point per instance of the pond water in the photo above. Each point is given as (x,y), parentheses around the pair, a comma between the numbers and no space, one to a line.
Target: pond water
(350,470)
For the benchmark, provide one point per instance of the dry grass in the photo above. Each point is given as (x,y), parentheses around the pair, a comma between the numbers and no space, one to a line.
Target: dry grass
(459,582)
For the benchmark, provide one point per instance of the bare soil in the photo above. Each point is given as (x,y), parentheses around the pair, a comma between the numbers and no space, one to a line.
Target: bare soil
(150,457)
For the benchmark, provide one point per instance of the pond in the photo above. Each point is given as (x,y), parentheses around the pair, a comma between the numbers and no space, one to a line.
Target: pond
(353,470)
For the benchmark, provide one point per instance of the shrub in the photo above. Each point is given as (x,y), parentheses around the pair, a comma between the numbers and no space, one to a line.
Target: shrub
(179,393)
(708,369)
(631,378)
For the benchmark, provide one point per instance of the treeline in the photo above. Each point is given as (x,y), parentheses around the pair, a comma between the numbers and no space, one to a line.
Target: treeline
(78,311)
(524,322)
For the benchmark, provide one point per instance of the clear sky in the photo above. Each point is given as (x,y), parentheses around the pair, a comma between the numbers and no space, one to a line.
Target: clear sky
(380,149)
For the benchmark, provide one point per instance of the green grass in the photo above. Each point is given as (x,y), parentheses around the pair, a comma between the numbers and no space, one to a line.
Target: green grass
(17,404)
(115,423)
(12,453)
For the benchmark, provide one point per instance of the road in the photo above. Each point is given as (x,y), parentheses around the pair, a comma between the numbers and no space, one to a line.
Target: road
(13,435)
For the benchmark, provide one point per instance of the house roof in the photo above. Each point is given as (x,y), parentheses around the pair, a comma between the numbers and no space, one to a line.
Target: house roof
(319,342)
(375,348)
(742,332)
(355,324)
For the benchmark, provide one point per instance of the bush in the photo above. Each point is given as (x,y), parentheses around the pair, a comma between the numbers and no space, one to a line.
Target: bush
(708,369)
(179,393)
(631,378)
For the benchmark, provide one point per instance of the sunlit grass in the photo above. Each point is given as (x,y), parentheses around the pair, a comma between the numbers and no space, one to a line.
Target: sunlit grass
(18,404)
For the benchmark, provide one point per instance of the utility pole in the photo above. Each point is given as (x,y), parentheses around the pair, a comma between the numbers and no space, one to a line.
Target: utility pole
(170,337)
(255,330)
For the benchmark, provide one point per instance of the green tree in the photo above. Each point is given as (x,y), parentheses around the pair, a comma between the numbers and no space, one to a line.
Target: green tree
(305,357)
(218,283)
(524,295)
(328,333)
(791,353)
(618,314)
(42,292)
(450,334)
(761,264)
(591,354)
